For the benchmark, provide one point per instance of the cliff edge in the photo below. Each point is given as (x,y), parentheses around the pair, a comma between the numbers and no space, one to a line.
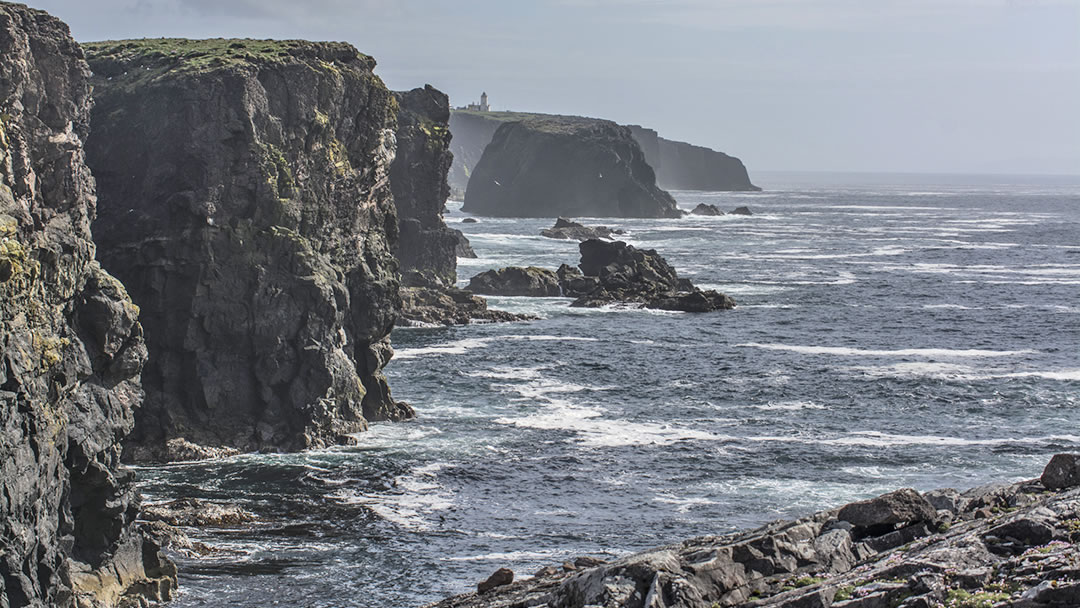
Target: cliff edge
(245,201)
(562,166)
(72,347)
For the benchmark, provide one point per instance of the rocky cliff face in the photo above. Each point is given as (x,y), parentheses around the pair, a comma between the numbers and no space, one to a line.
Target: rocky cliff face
(245,200)
(71,343)
(559,166)
(427,248)
(472,133)
(683,166)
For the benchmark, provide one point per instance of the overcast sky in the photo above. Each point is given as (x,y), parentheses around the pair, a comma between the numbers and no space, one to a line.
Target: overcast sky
(983,86)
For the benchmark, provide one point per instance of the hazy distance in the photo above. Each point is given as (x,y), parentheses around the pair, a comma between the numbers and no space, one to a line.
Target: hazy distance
(953,86)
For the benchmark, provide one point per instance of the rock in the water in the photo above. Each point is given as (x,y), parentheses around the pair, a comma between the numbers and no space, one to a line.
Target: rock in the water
(463,249)
(469,220)
(741,211)
(615,272)
(71,347)
(193,512)
(500,578)
(904,506)
(566,229)
(707,209)
(560,166)
(516,281)
(1063,471)
(179,449)
(425,307)
(245,199)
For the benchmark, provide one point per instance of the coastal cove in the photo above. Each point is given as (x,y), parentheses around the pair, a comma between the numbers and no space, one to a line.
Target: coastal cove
(916,333)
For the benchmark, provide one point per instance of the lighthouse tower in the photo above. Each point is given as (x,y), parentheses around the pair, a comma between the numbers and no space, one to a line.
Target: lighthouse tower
(484,107)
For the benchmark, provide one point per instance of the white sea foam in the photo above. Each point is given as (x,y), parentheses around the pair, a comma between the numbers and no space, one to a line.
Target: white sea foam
(878,439)
(508,557)
(905,352)
(458,347)
(791,405)
(416,497)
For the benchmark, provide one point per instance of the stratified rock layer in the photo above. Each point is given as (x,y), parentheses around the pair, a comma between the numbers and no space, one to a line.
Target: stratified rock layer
(70,347)
(994,546)
(245,201)
(560,166)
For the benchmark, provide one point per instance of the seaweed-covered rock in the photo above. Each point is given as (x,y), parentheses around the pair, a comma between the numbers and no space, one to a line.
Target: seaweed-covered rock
(516,281)
(245,199)
(564,166)
(71,347)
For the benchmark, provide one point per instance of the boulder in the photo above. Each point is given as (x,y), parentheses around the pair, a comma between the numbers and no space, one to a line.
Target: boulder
(566,229)
(741,211)
(516,281)
(499,578)
(1063,471)
(469,220)
(430,307)
(707,209)
(905,506)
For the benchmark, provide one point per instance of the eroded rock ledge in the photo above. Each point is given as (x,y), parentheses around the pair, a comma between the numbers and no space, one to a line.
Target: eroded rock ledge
(994,546)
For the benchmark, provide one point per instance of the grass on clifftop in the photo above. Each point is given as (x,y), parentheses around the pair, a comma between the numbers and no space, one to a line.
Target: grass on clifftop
(549,123)
(115,57)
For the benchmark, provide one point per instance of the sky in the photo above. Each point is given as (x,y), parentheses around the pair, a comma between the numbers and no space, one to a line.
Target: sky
(941,86)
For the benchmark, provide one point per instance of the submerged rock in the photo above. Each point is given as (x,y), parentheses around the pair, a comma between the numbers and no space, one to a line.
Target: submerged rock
(566,229)
(245,200)
(562,166)
(516,281)
(71,347)
(1024,557)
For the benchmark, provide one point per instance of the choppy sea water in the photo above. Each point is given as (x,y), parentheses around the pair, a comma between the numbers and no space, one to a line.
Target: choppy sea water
(913,331)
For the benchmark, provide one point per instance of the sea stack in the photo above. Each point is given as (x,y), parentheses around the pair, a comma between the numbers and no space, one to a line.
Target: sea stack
(245,200)
(72,347)
(565,166)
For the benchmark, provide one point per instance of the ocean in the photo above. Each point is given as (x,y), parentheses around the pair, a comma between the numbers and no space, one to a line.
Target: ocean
(891,331)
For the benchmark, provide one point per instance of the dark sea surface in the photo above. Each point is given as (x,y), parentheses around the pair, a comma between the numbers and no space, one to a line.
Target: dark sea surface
(891,331)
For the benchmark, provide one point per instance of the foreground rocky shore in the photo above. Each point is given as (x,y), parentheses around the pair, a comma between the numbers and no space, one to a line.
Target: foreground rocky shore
(994,546)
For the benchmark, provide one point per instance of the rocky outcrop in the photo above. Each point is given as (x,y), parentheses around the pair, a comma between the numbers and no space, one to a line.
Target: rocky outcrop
(426,248)
(617,273)
(706,209)
(683,166)
(566,229)
(245,200)
(472,133)
(516,281)
(429,307)
(999,545)
(72,347)
(559,166)
(742,211)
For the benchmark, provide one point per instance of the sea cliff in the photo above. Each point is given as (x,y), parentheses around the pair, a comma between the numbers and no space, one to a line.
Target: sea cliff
(72,347)
(555,166)
(245,201)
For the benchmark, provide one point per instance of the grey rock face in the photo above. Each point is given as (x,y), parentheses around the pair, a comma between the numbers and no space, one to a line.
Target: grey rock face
(245,200)
(566,229)
(904,506)
(683,166)
(425,307)
(707,209)
(561,166)
(71,347)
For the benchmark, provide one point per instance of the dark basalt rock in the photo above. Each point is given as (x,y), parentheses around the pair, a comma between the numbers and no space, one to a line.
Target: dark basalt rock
(499,578)
(741,211)
(469,220)
(561,166)
(245,200)
(815,561)
(463,249)
(683,166)
(903,507)
(425,306)
(516,281)
(566,229)
(707,209)
(71,347)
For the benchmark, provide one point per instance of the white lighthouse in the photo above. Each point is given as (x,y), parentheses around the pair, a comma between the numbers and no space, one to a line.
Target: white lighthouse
(484,106)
